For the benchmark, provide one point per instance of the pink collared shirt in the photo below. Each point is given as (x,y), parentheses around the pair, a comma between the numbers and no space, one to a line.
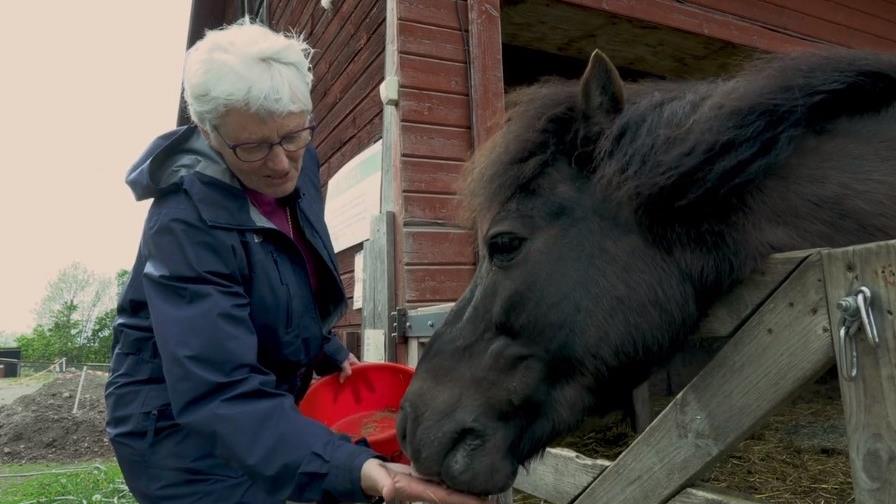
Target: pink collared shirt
(275,211)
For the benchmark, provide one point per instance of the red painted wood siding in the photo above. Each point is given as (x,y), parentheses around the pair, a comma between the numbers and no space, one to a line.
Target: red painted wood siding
(349,43)
(435,253)
(770,25)
(823,20)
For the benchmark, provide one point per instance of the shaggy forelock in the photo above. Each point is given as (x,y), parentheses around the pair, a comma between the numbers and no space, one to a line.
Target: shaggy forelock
(538,127)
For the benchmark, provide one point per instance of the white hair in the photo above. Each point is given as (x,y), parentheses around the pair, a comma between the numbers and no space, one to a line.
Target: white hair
(247,66)
(326,4)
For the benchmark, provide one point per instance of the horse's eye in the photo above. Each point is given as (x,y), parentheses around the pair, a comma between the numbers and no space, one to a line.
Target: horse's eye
(504,247)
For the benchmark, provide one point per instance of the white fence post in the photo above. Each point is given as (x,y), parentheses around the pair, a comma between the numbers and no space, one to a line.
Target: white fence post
(80,386)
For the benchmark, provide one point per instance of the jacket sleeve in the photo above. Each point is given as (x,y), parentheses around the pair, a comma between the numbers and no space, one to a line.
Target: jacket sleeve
(334,353)
(208,346)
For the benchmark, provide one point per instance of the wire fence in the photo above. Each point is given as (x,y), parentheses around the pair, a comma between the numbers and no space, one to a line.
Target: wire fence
(34,368)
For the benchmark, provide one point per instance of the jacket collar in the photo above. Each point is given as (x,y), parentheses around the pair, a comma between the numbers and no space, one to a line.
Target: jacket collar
(222,202)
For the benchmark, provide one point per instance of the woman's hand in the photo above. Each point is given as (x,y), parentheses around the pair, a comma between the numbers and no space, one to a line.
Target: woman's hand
(395,481)
(347,367)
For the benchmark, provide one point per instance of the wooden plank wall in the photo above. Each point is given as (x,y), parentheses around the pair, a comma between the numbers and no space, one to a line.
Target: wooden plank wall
(435,253)
(770,25)
(861,24)
(349,43)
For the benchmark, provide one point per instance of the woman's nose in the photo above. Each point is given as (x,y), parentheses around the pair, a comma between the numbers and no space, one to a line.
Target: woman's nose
(278,158)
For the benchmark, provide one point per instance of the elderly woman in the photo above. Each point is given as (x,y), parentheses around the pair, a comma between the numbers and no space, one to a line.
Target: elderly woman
(232,297)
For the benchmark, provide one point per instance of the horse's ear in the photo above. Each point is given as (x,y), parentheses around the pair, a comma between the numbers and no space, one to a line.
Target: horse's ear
(601,87)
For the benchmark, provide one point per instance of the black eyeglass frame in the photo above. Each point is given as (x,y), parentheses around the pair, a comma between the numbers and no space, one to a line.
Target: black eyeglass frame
(233,147)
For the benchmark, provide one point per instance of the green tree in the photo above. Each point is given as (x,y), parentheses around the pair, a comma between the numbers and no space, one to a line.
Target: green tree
(75,317)
(98,346)
(56,340)
(121,281)
(75,284)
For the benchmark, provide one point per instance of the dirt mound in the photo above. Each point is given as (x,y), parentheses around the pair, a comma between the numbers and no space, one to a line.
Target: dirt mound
(40,427)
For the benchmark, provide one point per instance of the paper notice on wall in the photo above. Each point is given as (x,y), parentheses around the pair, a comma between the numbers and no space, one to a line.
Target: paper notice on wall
(357,298)
(374,346)
(353,198)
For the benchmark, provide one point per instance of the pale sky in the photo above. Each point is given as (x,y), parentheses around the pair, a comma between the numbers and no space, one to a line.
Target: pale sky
(86,86)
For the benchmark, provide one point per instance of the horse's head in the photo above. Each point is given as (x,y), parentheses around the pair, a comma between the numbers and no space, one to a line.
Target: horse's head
(568,296)
(604,230)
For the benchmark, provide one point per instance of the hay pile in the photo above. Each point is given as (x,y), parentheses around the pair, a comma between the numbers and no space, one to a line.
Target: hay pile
(40,427)
(799,457)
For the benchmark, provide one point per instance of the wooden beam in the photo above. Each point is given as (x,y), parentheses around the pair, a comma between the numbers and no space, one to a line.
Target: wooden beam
(641,407)
(379,282)
(676,14)
(735,307)
(391,122)
(820,19)
(438,13)
(702,495)
(724,318)
(559,27)
(486,74)
(379,297)
(869,399)
(561,474)
(783,346)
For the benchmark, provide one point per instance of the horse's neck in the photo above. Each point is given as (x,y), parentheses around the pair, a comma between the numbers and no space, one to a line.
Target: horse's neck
(836,190)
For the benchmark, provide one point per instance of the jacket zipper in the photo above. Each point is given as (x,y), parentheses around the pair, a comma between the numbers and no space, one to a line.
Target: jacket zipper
(286,288)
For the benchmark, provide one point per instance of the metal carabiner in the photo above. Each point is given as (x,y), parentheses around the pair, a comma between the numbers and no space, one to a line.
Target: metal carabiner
(863,298)
(849,355)
(856,310)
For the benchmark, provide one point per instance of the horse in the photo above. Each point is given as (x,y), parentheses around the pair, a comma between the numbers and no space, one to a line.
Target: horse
(610,216)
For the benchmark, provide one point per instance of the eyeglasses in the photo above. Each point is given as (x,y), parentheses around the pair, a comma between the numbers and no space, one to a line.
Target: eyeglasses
(252,152)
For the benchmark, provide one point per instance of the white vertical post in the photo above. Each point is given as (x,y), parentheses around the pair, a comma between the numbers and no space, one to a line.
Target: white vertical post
(80,386)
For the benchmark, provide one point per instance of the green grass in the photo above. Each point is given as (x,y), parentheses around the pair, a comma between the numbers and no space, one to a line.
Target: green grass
(85,483)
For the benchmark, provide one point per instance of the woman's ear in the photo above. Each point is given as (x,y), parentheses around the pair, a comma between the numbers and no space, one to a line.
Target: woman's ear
(205,134)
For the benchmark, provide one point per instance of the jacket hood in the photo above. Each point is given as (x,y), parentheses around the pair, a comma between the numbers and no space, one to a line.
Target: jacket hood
(171,156)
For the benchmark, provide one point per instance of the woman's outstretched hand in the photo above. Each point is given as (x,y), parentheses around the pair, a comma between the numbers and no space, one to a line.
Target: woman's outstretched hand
(395,481)
(347,367)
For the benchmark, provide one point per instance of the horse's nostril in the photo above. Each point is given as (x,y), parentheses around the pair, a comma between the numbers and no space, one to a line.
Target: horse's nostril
(470,439)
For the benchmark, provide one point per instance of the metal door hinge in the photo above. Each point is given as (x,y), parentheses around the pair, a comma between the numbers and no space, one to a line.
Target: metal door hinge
(398,323)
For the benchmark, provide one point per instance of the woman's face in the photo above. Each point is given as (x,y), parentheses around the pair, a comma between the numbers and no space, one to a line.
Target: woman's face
(275,175)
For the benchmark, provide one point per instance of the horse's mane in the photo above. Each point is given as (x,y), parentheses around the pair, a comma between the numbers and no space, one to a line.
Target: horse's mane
(537,122)
(681,144)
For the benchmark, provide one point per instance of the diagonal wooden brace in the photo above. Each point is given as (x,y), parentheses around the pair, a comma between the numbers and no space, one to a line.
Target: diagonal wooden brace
(784,345)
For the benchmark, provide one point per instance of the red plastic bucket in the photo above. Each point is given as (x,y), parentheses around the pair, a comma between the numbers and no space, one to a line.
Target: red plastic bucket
(366,405)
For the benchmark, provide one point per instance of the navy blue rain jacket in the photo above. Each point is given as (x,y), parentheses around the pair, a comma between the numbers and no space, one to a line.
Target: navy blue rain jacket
(217,325)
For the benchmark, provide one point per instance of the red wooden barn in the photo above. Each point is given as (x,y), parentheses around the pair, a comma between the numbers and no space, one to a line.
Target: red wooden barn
(427,77)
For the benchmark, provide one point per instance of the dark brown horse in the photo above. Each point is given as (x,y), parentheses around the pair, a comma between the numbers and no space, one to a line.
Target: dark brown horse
(610,218)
